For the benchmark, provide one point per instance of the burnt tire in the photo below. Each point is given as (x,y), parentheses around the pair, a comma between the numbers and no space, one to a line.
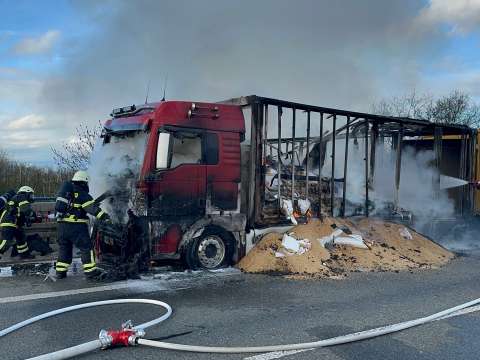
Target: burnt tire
(212,250)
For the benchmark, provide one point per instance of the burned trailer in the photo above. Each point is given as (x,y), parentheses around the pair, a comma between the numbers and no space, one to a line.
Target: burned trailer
(336,161)
(211,176)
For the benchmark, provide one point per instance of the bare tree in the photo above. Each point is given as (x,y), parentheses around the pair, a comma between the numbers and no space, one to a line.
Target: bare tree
(454,108)
(75,155)
(412,105)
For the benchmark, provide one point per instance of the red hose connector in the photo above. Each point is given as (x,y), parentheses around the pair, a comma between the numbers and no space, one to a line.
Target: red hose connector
(126,337)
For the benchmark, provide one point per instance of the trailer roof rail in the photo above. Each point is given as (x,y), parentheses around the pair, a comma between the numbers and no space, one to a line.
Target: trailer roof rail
(330,112)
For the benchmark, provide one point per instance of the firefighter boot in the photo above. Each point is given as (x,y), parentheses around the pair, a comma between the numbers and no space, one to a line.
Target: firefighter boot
(96,275)
(27,255)
(60,275)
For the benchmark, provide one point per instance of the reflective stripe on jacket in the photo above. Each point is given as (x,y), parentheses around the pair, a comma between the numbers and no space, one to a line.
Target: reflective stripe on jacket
(74,202)
(16,211)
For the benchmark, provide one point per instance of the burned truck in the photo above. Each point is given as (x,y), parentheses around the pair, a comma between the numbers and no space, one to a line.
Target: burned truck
(210,176)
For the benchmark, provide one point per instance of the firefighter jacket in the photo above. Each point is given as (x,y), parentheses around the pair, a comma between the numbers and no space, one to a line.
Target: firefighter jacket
(5,198)
(74,203)
(18,211)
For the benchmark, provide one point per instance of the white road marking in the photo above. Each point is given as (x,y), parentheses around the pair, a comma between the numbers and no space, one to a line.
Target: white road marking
(146,284)
(134,285)
(280,354)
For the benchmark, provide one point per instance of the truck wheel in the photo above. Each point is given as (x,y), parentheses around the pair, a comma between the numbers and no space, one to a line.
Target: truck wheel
(212,250)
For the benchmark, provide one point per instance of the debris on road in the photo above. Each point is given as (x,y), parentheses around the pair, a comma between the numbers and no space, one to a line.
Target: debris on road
(405,233)
(374,245)
(293,246)
(339,237)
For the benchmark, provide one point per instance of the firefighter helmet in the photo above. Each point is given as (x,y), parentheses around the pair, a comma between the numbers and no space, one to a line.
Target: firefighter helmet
(25,189)
(80,176)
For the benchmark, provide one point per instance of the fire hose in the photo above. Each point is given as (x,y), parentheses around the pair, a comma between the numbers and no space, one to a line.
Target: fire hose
(130,335)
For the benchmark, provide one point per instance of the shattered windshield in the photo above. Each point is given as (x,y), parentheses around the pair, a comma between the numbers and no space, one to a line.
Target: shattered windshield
(115,166)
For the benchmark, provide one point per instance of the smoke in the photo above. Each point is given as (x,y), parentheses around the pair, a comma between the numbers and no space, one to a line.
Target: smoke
(417,192)
(115,167)
(340,54)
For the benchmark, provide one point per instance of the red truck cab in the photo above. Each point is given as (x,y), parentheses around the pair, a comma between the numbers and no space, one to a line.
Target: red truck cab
(190,177)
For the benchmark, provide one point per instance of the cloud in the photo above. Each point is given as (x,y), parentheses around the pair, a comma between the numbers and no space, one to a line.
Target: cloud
(28,122)
(37,45)
(26,139)
(462,16)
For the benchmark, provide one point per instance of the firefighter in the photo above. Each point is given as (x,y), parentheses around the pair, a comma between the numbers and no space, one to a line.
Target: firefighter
(72,206)
(17,213)
(5,198)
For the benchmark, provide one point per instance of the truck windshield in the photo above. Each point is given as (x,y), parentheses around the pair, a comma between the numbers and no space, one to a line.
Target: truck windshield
(115,166)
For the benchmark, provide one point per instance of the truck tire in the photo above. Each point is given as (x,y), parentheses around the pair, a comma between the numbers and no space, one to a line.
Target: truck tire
(212,250)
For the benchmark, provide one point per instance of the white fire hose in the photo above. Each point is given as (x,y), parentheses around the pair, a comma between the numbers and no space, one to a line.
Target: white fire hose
(130,335)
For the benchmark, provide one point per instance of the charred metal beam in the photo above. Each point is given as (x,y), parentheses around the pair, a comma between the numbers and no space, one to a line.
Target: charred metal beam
(437,148)
(259,169)
(279,154)
(345,168)
(307,159)
(373,151)
(352,114)
(320,168)
(472,169)
(367,127)
(463,171)
(398,165)
(293,152)
(332,180)
(265,135)
(252,170)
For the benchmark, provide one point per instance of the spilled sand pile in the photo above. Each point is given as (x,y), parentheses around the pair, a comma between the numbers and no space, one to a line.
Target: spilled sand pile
(388,251)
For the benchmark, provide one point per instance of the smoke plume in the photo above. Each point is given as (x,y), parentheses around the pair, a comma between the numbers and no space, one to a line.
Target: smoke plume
(115,167)
(417,192)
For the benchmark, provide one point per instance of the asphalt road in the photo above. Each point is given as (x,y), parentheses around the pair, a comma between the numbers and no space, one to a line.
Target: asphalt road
(236,309)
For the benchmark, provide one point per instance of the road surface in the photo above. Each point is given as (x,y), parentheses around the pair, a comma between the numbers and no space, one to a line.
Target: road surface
(230,308)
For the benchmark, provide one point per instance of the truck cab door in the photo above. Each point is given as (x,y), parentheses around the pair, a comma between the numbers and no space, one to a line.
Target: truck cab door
(179,181)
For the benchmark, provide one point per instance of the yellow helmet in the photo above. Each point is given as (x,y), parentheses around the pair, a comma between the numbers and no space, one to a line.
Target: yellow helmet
(80,175)
(25,189)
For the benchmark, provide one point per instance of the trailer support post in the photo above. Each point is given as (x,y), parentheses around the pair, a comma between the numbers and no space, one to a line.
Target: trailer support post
(367,128)
(332,180)
(345,168)
(307,157)
(293,154)
(279,156)
(320,154)
(398,166)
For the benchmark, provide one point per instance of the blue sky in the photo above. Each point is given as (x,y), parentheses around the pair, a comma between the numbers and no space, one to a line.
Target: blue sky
(63,63)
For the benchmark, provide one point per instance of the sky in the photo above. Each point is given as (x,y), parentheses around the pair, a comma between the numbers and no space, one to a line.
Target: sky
(63,63)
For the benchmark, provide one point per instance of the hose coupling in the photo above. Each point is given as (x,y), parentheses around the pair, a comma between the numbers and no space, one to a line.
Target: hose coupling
(126,337)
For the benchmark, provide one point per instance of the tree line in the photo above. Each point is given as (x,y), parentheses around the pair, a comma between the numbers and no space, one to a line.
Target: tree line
(45,181)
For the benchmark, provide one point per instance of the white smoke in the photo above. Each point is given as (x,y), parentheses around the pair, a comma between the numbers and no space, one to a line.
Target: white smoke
(115,166)
(417,192)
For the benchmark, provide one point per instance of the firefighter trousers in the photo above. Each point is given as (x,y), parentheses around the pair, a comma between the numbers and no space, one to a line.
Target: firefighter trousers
(13,235)
(69,234)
